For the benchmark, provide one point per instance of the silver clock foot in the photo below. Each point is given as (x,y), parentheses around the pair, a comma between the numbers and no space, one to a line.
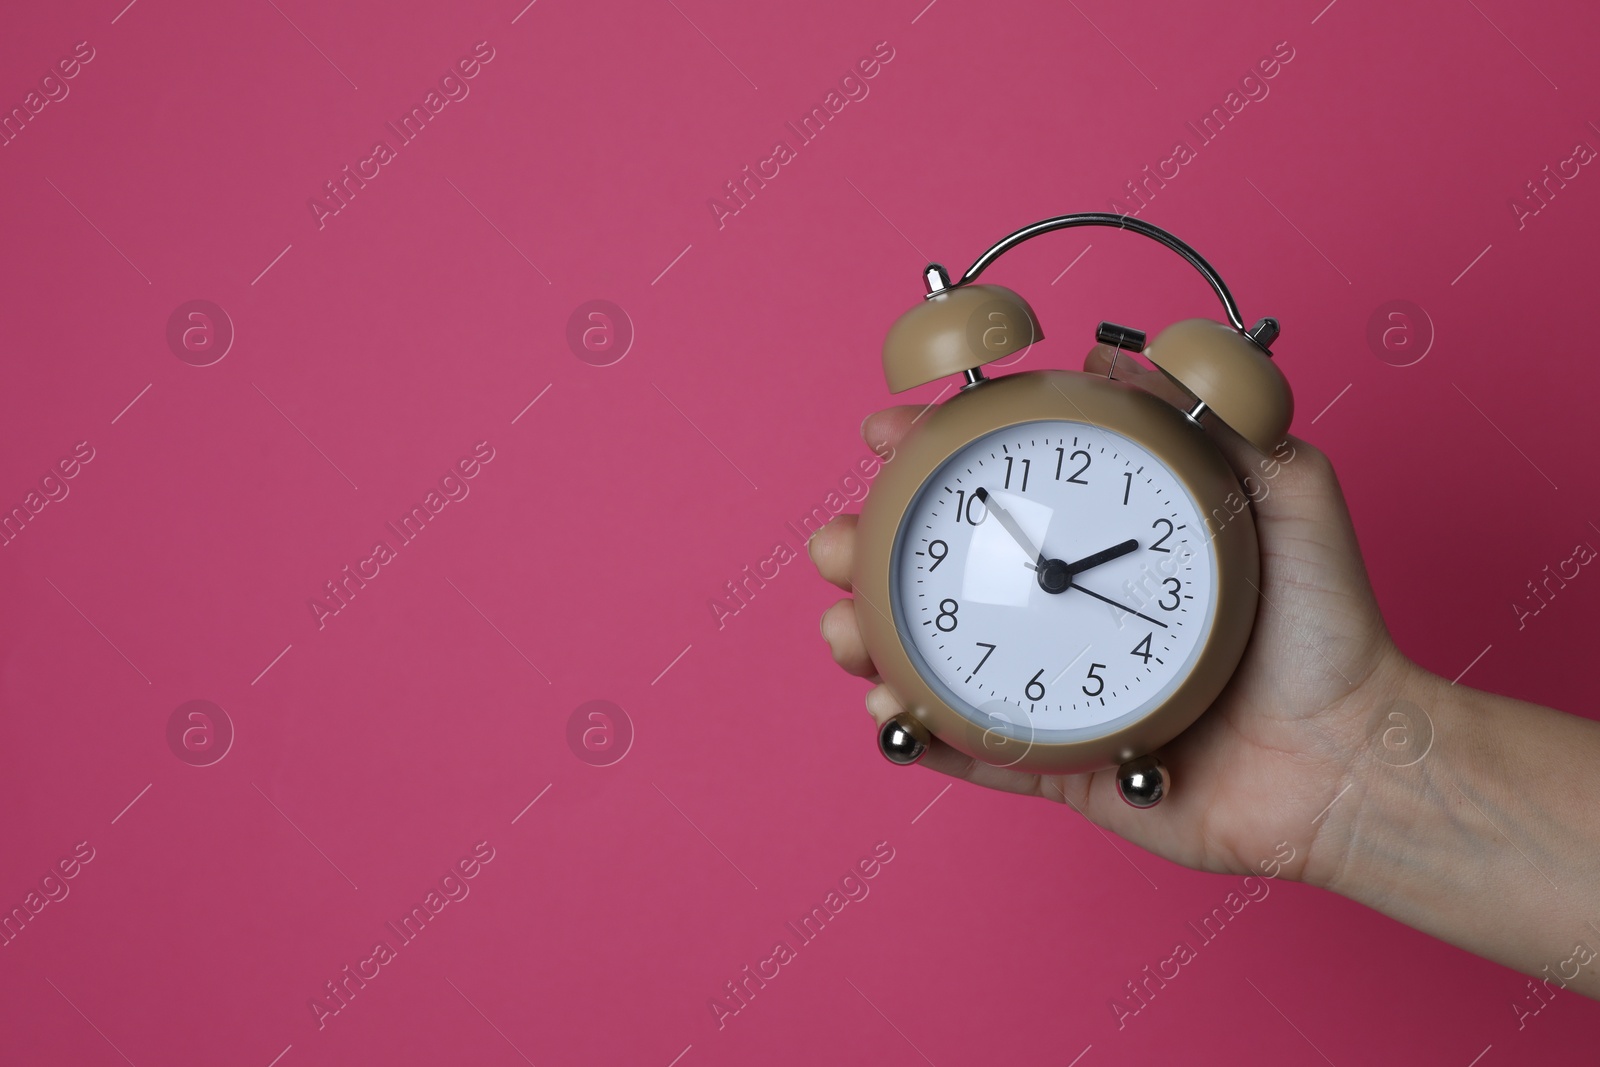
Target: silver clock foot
(903,741)
(1142,782)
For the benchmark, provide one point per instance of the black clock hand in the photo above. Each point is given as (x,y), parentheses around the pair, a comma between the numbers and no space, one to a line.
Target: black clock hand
(1055,576)
(1011,526)
(1119,607)
(1103,556)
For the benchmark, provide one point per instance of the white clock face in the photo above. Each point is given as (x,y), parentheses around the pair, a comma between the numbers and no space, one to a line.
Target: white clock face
(1053,581)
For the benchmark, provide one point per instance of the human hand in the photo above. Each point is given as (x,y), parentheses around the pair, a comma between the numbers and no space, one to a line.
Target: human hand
(1269,756)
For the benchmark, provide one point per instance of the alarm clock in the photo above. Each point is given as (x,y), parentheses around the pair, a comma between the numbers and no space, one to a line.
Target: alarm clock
(1055,573)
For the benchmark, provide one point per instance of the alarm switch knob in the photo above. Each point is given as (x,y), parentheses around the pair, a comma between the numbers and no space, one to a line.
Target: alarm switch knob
(1123,337)
(1264,332)
(956,328)
(1231,373)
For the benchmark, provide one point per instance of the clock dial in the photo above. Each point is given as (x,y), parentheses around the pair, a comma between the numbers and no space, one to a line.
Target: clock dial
(1053,580)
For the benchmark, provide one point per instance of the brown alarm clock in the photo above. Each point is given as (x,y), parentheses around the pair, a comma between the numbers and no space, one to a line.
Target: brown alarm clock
(1056,572)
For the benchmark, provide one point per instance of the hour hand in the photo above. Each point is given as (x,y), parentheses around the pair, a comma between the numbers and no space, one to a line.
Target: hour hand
(1055,576)
(1105,555)
(1011,527)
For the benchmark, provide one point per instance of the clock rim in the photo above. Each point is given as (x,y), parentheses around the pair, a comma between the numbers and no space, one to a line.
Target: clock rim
(1004,744)
(1175,441)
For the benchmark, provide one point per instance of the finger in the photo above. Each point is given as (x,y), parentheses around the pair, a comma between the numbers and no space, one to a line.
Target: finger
(832,549)
(1177,827)
(946,760)
(882,705)
(884,430)
(1098,359)
(940,757)
(843,634)
(1093,795)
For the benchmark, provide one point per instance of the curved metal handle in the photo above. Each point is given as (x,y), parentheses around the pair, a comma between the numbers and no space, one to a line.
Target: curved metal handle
(1121,222)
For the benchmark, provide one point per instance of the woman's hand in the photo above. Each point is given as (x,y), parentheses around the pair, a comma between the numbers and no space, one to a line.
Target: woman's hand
(1260,767)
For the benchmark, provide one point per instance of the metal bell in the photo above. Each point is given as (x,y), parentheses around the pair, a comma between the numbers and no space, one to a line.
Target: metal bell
(1142,782)
(956,329)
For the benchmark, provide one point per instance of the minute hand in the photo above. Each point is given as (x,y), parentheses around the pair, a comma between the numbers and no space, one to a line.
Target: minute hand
(1010,525)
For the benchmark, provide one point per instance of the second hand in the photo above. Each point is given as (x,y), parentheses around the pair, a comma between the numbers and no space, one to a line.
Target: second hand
(1120,607)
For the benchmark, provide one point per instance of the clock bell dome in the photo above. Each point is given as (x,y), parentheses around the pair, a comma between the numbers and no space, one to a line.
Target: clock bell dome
(956,329)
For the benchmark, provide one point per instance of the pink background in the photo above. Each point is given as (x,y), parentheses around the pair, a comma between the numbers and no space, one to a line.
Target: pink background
(373,754)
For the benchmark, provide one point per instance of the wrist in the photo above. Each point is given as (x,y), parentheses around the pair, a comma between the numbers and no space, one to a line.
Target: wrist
(1391,724)
(1451,823)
